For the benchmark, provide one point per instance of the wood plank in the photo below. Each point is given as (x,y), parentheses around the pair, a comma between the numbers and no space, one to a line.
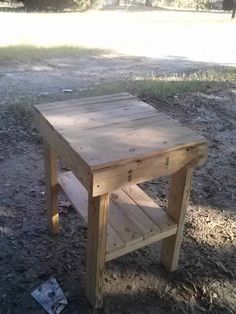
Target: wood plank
(64,150)
(130,248)
(130,209)
(72,109)
(96,248)
(124,234)
(177,205)
(125,141)
(150,208)
(69,121)
(84,101)
(114,241)
(78,197)
(144,169)
(127,229)
(75,191)
(50,159)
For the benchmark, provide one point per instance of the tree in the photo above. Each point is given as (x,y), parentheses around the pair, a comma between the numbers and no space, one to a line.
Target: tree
(32,5)
(229,5)
(234,9)
(148,3)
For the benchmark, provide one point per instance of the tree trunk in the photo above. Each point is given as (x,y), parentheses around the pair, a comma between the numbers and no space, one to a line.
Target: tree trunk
(234,9)
(148,3)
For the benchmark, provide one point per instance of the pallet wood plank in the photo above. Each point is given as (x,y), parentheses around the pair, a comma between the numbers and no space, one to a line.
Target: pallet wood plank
(129,208)
(75,191)
(114,241)
(64,150)
(97,117)
(101,108)
(151,209)
(127,229)
(137,245)
(147,168)
(133,138)
(78,197)
(125,232)
(83,101)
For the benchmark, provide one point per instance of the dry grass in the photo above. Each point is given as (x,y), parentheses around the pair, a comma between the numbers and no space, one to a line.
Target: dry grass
(162,87)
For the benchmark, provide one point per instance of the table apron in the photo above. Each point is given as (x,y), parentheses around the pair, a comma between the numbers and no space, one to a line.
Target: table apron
(111,178)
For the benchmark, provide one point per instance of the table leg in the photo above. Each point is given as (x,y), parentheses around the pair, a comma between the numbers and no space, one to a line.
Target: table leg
(96,247)
(51,189)
(177,205)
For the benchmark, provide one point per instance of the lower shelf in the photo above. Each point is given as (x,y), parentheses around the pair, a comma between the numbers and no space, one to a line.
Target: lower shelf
(135,220)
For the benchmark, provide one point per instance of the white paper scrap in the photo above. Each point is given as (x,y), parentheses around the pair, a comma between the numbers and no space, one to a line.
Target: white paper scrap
(50,296)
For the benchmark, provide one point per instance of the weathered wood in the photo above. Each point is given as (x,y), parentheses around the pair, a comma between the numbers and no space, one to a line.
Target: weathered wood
(132,247)
(114,241)
(84,101)
(177,205)
(96,248)
(64,150)
(147,227)
(144,169)
(93,116)
(51,189)
(75,191)
(90,129)
(78,197)
(135,220)
(149,207)
(134,139)
(111,143)
(74,111)
(127,229)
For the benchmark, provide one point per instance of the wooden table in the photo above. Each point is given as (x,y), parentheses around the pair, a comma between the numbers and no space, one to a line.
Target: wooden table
(111,143)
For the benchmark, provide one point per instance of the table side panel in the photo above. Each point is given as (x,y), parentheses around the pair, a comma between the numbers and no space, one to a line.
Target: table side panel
(141,170)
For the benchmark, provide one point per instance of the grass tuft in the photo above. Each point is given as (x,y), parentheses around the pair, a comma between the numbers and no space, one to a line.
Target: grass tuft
(162,87)
(28,52)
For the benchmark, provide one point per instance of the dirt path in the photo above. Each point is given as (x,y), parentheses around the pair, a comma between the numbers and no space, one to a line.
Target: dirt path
(48,77)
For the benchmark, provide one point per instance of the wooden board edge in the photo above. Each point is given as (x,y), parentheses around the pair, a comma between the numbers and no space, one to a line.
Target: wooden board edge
(130,248)
(79,167)
(193,155)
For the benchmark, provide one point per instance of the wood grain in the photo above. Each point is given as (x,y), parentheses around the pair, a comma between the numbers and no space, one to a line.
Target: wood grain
(50,159)
(147,168)
(110,131)
(134,219)
(177,205)
(96,248)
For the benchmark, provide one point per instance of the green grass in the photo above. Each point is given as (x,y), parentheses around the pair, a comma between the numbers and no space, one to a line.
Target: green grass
(28,52)
(158,87)
(162,87)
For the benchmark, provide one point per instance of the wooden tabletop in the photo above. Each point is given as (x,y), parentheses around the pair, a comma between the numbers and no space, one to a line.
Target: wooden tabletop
(108,130)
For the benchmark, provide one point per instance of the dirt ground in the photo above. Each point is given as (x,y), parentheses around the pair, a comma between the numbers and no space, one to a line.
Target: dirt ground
(135,283)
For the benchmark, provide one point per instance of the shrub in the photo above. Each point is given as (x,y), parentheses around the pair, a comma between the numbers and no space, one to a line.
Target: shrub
(59,5)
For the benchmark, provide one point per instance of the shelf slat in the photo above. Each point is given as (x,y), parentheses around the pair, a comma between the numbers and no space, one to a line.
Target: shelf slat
(135,220)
